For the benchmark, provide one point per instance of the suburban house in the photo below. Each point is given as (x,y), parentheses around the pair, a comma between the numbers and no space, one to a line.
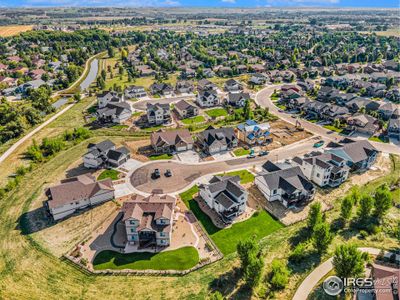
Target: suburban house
(231,85)
(76,193)
(117,112)
(171,141)
(387,109)
(158,113)
(288,185)
(253,133)
(386,283)
(105,153)
(225,196)
(206,85)
(237,99)
(185,109)
(362,123)
(184,86)
(107,97)
(148,220)
(162,88)
(324,169)
(335,112)
(135,91)
(214,140)
(258,79)
(208,98)
(359,155)
(394,125)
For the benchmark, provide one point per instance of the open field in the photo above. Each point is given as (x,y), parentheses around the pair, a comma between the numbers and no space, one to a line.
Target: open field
(180,259)
(6,31)
(50,276)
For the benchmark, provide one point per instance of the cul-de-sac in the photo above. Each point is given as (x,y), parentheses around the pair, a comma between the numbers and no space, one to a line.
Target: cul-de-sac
(164,151)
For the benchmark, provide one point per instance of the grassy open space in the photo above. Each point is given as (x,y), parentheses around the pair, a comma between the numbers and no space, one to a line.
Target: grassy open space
(333,128)
(160,156)
(193,120)
(52,276)
(241,152)
(245,176)
(112,174)
(180,259)
(377,139)
(217,112)
(258,226)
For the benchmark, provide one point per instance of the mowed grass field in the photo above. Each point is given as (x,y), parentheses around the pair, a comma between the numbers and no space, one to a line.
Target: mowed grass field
(6,31)
(180,259)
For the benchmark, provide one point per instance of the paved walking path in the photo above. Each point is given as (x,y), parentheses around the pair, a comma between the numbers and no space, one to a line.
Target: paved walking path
(34,131)
(308,284)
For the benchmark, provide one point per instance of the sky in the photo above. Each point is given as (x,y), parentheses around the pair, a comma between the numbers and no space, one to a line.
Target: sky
(204,3)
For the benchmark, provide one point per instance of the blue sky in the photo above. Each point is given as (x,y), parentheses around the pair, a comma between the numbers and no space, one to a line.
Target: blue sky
(214,3)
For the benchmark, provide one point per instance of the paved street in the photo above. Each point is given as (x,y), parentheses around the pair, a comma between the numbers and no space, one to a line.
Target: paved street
(263,98)
(185,174)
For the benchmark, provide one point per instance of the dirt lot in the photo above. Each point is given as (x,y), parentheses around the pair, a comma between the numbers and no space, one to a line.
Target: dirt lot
(284,134)
(324,196)
(14,30)
(137,148)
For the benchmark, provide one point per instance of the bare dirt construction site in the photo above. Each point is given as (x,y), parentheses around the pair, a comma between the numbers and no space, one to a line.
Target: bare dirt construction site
(6,31)
(283,133)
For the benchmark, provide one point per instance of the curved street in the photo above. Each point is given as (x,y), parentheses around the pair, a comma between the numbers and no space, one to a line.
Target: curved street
(263,98)
(185,174)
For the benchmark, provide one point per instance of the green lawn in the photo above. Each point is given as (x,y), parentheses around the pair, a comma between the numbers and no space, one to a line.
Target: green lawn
(193,120)
(333,128)
(160,156)
(217,112)
(113,174)
(281,106)
(187,198)
(245,176)
(241,152)
(120,126)
(377,139)
(258,226)
(179,259)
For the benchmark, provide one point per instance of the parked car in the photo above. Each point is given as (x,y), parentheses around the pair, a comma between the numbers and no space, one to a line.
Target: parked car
(168,173)
(156,174)
(319,144)
(263,153)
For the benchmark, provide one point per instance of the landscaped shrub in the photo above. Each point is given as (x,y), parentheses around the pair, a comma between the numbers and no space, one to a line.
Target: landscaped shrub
(279,276)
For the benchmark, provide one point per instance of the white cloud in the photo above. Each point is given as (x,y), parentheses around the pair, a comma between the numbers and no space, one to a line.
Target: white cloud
(228,1)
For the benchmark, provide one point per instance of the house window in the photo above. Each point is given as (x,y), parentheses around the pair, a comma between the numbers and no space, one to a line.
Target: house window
(132,222)
(162,221)
(274,192)
(133,230)
(318,175)
(162,233)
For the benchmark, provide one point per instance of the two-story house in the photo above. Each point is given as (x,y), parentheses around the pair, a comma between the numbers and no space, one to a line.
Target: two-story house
(237,99)
(76,193)
(287,185)
(359,155)
(208,98)
(225,196)
(171,141)
(158,113)
(185,109)
(394,125)
(324,169)
(114,112)
(105,153)
(215,140)
(231,85)
(148,220)
(135,91)
(162,88)
(252,133)
(107,97)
